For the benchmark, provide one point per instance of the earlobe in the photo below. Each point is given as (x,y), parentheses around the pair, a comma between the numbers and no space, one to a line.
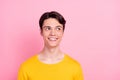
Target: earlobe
(41,33)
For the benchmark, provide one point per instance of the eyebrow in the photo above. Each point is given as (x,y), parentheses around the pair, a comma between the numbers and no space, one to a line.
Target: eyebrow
(59,26)
(50,26)
(46,26)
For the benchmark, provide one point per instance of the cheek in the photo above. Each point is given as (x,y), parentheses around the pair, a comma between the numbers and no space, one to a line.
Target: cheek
(60,34)
(45,34)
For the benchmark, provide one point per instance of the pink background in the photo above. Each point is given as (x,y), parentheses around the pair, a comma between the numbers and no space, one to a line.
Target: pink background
(92,35)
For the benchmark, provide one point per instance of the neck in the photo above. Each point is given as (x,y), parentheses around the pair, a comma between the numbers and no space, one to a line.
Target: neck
(51,52)
(51,55)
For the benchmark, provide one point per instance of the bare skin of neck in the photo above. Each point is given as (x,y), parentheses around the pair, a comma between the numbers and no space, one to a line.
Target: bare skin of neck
(51,55)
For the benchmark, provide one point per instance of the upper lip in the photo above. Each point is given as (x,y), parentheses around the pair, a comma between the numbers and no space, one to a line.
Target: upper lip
(53,38)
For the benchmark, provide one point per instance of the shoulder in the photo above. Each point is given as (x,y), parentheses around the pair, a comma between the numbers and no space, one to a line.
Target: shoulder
(29,62)
(74,64)
(72,61)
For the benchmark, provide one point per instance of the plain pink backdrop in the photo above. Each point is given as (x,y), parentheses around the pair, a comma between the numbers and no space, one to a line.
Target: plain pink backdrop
(92,35)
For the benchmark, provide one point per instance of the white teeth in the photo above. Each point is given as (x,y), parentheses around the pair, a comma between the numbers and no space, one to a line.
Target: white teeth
(52,39)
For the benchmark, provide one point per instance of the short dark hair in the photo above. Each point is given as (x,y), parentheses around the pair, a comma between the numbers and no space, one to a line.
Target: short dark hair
(52,14)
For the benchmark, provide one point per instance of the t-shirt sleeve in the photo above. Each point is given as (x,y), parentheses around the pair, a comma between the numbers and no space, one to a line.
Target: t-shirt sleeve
(22,74)
(78,73)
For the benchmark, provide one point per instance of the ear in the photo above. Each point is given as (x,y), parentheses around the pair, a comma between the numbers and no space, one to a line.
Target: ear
(41,32)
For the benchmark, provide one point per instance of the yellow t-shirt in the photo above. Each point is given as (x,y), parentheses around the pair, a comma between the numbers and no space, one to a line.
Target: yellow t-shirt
(67,69)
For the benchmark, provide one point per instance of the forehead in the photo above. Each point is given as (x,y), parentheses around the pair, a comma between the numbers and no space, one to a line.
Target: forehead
(51,22)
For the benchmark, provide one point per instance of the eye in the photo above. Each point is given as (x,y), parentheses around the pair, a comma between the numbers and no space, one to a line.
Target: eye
(59,28)
(47,28)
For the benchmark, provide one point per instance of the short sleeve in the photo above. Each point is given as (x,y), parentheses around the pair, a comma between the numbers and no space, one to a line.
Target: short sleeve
(22,74)
(78,73)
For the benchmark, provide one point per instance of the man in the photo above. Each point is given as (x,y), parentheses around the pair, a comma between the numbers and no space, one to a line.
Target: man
(51,63)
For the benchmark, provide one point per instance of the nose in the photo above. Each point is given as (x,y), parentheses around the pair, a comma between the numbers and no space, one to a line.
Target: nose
(52,33)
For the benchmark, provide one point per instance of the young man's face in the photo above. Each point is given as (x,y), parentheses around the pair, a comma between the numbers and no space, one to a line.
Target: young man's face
(52,32)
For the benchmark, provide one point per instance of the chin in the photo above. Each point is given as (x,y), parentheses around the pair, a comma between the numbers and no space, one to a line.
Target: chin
(52,45)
